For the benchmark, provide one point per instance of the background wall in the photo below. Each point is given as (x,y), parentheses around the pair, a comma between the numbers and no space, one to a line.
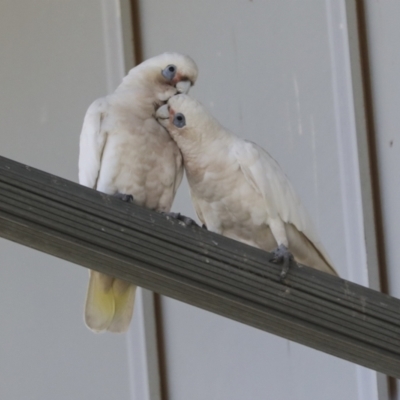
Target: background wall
(277,73)
(54,64)
(383,33)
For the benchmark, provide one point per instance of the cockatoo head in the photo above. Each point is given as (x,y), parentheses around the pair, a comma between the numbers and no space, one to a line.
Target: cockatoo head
(165,75)
(185,117)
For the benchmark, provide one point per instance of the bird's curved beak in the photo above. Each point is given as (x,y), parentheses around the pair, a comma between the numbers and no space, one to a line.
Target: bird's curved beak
(183,86)
(162,113)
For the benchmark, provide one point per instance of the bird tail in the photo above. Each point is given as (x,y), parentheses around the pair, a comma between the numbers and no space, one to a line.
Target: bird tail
(109,303)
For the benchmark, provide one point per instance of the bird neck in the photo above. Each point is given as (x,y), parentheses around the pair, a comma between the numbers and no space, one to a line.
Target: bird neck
(200,147)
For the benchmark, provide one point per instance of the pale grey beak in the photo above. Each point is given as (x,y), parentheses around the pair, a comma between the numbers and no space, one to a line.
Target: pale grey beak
(183,86)
(163,112)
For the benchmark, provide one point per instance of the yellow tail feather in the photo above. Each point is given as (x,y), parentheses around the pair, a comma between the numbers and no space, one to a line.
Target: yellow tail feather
(124,297)
(109,303)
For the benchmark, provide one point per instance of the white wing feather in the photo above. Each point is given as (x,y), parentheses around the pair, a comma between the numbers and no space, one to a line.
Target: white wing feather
(92,142)
(179,172)
(268,179)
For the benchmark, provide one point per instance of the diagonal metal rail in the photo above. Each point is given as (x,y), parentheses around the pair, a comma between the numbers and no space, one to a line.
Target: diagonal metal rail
(198,267)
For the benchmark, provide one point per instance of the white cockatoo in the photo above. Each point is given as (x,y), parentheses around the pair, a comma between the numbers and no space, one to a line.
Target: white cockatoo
(238,189)
(126,153)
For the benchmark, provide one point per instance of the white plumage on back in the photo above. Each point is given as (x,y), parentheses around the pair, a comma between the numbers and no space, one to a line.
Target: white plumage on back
(237,188)
(124,151)
(92,141)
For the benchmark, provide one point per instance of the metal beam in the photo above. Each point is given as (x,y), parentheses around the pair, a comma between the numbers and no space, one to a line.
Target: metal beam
(198,267)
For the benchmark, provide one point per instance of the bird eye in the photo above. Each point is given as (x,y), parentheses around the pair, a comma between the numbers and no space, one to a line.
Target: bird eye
(169,72)
(179,120)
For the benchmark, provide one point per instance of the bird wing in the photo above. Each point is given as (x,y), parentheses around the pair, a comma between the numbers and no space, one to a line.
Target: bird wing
(92,142)
(267,178)
(197,209)
(179,170)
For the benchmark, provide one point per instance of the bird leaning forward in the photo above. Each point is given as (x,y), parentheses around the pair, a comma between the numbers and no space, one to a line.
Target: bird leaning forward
(238,190)
(125,152)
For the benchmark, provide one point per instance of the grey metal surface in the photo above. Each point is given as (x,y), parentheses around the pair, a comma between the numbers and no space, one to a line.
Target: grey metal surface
(53,65)
(198,267)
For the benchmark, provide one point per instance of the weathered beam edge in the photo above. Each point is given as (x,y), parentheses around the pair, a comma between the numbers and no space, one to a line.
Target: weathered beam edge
(103,260)
(367,309)
(379,351)
(314,282)
(299,304)
(303,309)
(139,217)
(305,283)
(54,243)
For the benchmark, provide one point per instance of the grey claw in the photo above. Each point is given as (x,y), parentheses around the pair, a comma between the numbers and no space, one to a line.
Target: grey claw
(285,270)
(281,255)
(128,198)
(171,214)
(178,216)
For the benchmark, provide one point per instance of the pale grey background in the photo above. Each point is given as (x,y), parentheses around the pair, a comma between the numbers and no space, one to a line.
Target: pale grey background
(270,71)
(383,29)
(53,65)
(267,73)
(383,22)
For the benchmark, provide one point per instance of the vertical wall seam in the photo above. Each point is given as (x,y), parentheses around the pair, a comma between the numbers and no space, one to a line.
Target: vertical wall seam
(371,138)
(161,347)
(367,99)
(137,31)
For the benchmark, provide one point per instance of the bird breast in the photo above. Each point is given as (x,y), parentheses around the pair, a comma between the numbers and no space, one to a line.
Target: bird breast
(228,203)
(141,163)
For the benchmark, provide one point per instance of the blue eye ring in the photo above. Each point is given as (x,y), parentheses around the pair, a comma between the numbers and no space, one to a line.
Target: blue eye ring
(169,72)
(179,120)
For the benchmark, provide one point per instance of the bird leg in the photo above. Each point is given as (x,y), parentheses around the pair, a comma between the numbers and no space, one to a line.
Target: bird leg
(128,198)
(178,216)
(281,255)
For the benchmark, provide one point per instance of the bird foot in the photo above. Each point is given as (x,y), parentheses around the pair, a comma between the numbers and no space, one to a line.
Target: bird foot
(128,198)
(178,216)
(281,255)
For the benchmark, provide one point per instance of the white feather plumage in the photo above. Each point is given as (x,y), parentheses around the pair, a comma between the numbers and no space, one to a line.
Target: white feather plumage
(238,189)
(124,150)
